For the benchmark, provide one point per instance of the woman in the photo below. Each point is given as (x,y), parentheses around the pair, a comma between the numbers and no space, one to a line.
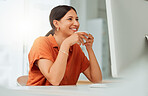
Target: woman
(57,58)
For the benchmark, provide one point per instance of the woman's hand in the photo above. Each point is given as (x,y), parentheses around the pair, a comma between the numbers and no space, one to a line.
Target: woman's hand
(77,37)
(89,42)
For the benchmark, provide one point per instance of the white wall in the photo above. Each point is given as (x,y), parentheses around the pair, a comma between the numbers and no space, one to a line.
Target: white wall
(11,16)
(97,31)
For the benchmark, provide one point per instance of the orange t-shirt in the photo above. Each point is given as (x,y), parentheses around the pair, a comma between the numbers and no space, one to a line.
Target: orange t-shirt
(47,48)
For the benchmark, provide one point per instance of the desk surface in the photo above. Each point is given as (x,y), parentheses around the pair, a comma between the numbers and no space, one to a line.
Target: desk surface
(112,89)
(78,90)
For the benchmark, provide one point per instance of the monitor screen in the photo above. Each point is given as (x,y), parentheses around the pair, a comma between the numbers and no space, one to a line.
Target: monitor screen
(128,25)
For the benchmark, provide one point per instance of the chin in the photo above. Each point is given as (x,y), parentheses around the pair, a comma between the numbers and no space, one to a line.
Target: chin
(70,33)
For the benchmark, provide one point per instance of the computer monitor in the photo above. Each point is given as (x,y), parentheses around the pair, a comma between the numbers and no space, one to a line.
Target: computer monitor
(127,25)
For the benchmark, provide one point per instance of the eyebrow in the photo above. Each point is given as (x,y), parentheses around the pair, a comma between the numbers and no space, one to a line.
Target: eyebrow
(72,16)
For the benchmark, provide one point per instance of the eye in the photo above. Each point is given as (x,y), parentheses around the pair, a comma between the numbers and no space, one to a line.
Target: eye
(77,19)
(69,18)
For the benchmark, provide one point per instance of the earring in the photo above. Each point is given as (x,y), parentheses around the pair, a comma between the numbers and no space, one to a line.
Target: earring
(57,29)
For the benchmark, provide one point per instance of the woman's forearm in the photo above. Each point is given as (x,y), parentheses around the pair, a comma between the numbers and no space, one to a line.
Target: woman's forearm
(58,68)
(95,71)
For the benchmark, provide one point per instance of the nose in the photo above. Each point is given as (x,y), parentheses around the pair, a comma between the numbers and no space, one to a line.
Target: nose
(76,23)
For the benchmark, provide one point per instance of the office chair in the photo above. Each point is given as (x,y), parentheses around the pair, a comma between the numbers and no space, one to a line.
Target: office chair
(22,80)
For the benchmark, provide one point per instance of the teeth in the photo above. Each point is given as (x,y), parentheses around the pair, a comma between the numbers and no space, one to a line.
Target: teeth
(74,29)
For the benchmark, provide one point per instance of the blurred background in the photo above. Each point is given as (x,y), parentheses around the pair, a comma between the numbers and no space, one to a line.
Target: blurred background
(22,21)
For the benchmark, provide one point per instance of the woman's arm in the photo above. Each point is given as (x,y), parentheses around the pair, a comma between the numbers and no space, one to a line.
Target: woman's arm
(93,72)
(54,71)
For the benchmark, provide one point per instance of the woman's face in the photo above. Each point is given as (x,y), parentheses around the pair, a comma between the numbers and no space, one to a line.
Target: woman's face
(69,23)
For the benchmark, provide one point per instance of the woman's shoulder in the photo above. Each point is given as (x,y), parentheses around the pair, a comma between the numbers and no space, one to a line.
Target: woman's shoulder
(41,39)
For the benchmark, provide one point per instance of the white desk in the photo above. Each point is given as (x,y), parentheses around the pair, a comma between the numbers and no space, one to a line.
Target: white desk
(128,87)
(78,90)
(120,89)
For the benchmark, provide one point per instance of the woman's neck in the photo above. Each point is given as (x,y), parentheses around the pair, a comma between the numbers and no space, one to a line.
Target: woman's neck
(59,39)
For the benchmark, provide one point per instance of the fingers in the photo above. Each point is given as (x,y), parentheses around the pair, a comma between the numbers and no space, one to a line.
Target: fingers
(85,35)
(82,36)
(90,36)
(81,41)
(90,40)
(82,33)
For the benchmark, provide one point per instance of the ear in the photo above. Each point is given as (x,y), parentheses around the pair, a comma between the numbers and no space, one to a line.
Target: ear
(56,23)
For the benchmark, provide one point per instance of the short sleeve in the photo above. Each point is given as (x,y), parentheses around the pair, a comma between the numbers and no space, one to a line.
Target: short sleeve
(85,62)
(41,49)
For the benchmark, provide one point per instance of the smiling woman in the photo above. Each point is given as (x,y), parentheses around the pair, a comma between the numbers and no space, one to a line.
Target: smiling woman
(62,10)
(57,58)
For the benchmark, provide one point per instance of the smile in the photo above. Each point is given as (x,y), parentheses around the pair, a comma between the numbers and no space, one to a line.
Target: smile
(74,29)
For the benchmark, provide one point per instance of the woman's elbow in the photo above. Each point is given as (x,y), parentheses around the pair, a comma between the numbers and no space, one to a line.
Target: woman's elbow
(54,82)
(99,80)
